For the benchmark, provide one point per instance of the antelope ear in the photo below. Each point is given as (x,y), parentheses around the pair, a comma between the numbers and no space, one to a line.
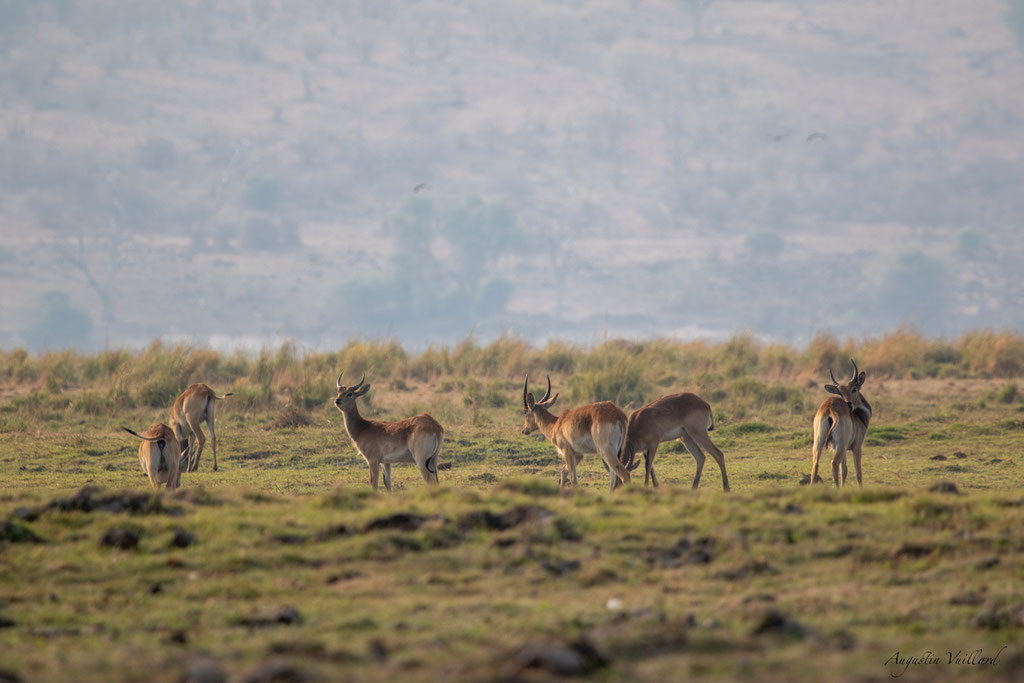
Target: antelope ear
(833,390)
(551,401)
(366,387)
(860,379)
(530,401)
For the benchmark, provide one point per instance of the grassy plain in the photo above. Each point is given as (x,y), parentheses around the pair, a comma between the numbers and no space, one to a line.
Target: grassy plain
(287,567)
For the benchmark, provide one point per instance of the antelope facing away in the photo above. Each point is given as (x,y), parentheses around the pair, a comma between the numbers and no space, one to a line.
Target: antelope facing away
(190,410)
(686,417)
(594,428)
(841,423)
(416,439)
(160,456)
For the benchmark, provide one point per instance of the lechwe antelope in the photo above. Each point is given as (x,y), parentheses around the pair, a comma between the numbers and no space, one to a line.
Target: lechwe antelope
(686,417)
(190,410)
(841,423)
(594,428)
(160,456)
(415,439)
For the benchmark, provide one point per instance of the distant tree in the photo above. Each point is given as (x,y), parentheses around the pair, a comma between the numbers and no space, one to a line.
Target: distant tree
(1015,20)
(916,290)
(156,154)
(261,194)
(58,324)
(696,10)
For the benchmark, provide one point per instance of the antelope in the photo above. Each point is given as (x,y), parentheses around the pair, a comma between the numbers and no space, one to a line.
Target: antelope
(686,417)
(416,439)
(841,423)
(190,410)
(160,456)
(594,428)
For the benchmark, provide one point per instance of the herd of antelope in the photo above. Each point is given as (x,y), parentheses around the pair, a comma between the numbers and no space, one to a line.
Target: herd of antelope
(841,423)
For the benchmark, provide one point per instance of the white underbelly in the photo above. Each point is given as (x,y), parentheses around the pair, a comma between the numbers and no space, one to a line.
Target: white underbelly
(396,456)
(673,433)
(584,444)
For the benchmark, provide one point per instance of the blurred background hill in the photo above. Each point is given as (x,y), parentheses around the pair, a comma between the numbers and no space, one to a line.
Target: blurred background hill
(240,171)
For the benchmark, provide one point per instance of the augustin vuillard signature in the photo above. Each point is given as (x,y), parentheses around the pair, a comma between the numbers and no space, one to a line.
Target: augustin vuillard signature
(899,663)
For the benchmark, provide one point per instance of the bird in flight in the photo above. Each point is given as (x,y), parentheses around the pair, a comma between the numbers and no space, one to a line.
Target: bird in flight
(816,136)
(421,186)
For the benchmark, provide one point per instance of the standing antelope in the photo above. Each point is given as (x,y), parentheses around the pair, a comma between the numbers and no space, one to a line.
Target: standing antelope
(416,439)
(686,417)
(841,423)
(160,456)
(594,428)
(190,410)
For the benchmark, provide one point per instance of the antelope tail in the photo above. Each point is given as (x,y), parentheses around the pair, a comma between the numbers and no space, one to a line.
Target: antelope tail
(139,436)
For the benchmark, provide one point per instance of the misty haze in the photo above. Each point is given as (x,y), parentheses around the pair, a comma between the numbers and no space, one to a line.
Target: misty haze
(237,173)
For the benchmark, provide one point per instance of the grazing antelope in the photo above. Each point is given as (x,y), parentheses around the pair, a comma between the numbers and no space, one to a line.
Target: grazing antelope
(594,428)
(190,410)
(160,456)
(841,423)
(416,439)
(686,417)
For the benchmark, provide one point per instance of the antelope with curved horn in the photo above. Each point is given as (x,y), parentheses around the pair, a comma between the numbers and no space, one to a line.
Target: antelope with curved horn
(191,409)
(160,456)
(593,428)
(686,417)
(416,439)
(841,423)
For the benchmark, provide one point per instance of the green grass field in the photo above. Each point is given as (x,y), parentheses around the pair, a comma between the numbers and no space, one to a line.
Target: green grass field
(284,565)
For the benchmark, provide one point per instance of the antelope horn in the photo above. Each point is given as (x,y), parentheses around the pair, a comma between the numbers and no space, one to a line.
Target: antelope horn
(361,380)
(526,384)
(547,394)
(855,371)
(339,380)
(834,381)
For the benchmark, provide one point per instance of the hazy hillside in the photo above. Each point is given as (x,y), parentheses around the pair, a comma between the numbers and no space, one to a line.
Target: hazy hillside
(244,170)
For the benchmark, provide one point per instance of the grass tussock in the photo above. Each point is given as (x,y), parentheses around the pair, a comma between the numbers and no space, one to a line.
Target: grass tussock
(744,373)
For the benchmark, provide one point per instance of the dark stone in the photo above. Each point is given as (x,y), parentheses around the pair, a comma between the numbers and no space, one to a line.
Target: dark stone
(774,622)
(6,622)
(182,538)
(988,563)
(913,550)
(155,589)
(178,637)
(288,615)
(959,455)
(25,514)
(400,521)
(503,521)
(578,658)
(378,650)
(806,479)
(8,676)
(124,538)
(793,508)
(203,671)
(329,532)
(938,457)
(16,532)
(92,498)
(753,568)
(972,598)
(557,567)
(276,671)
(290,539)
(944,487)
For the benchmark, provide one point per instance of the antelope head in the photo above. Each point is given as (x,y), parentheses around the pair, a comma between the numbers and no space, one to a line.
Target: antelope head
(850,391)
(529,405)
(347,395)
